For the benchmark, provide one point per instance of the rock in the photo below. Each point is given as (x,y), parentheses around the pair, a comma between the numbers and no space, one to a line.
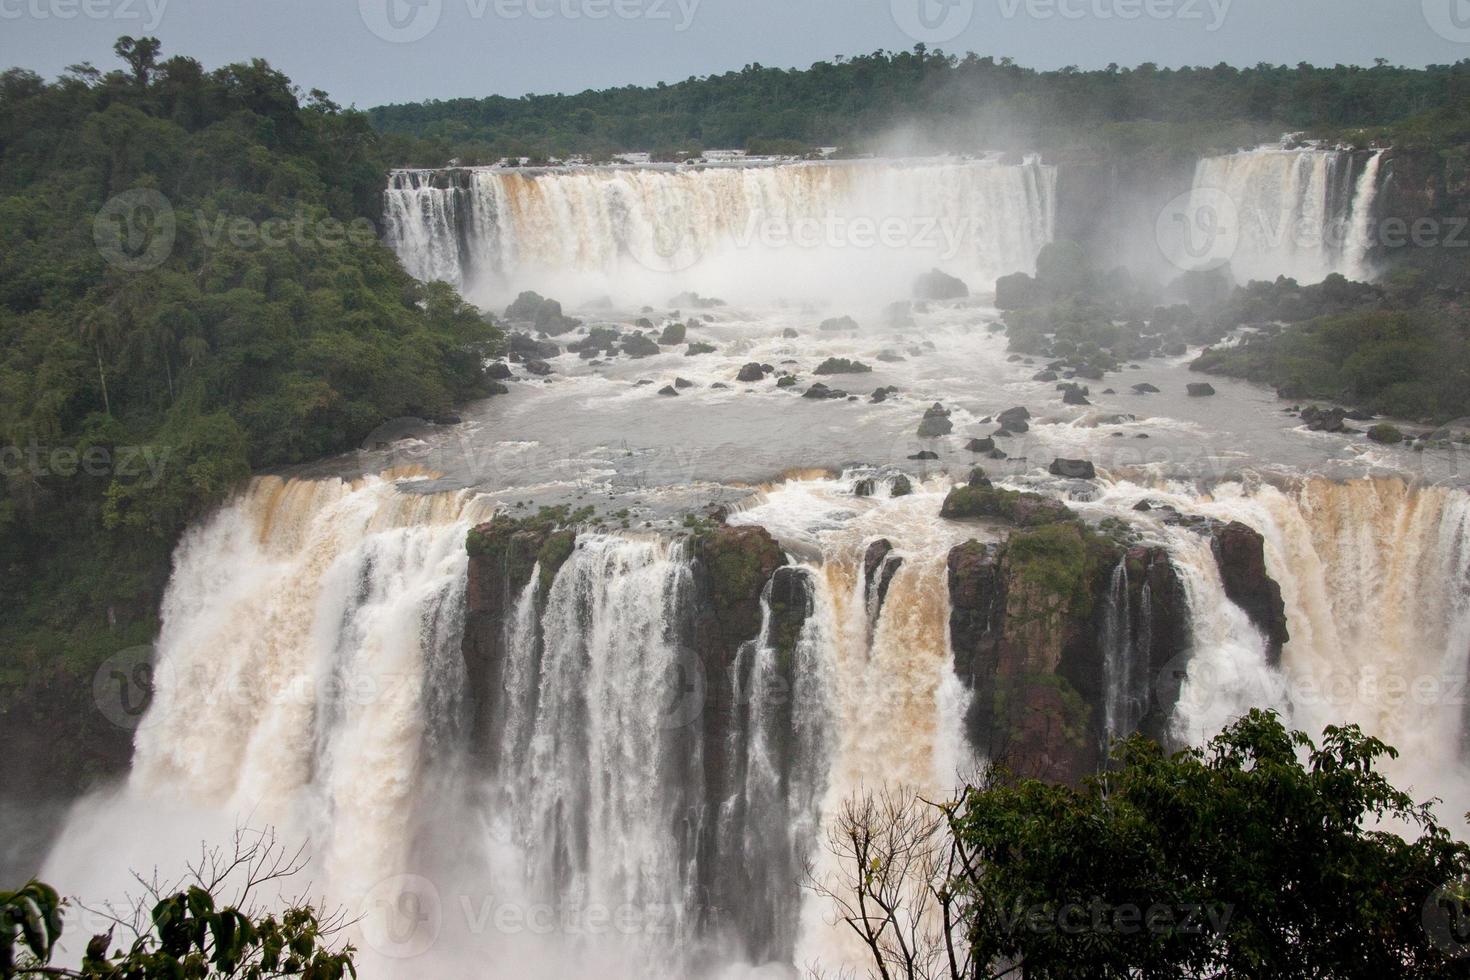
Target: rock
(496,388)
(1241,555)
(642,382)
(524,347)
(550,320)
(1385,433)
(1324,419)
(841,365)
(719,384)
(1074,396)
(891,357)
(1109,391)
(787,381)
(789,333)
(1200,389)
(996,454)
(936,285)
(1014,419)
(499,371)
(984,445)
(683,383)
(1073,469)
(977,478)
(525,306)
(751,372)
(1022,509)
(737,562)
(838,323)
(697,348)
(880,564)
(673,334)
(924,454)
(538,368)
(1143,506)
(668,390)
(900,487)
(639,345)
(935,422)
(881,394)
(1044,376)
(820,390)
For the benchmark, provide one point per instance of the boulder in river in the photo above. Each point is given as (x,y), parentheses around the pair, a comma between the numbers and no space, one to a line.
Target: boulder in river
(673,334)
(538,368)
(1074,396)
(935,422)
(1200,389)
(668,390)
(820,390)
(499,371)
(751,372)
(1014,419)
(935,284)
(1144,388)
(841,365)
(984,445)
(1073,469)
(838,323)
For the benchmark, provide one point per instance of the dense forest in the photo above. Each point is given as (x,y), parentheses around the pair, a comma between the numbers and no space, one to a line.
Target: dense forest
(944,101)
(191,287)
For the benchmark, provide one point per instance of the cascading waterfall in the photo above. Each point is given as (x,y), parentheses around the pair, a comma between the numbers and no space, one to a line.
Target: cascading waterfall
(1295,213)
(1123,706)
(1375,575)
(307,674)
(487,230)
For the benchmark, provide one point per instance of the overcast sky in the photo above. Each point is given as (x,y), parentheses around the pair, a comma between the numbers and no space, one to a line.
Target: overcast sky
(368,52)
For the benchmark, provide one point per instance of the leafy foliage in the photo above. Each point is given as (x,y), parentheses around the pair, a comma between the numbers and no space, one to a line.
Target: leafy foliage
(263,323)
(945,101)
(1262,854)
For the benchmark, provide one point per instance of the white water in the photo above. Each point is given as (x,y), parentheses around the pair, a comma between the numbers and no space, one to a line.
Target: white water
(866,227)
(1275,212)
(1375,576)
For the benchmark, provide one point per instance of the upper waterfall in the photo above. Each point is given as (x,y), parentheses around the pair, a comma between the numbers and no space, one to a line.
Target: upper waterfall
(489,230)
(1304,214)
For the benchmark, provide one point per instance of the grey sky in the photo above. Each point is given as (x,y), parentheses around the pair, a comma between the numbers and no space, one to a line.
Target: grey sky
(510,47)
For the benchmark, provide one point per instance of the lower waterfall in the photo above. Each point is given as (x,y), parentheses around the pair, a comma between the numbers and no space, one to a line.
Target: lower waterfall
(310,677)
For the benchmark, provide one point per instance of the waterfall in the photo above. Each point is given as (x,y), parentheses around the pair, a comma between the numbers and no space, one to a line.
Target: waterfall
(1122,706)
(1294,213)
(1375,575)
(491,231)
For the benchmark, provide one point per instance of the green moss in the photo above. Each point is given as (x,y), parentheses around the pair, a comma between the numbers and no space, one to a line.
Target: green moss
(1385,433)
(555,550)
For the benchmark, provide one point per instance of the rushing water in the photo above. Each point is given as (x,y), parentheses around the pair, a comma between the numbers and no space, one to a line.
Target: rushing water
(1297,213)
(310,673)
(489,230)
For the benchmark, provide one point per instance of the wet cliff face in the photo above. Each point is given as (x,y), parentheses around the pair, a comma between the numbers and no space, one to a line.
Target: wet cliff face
(1058,626)
(728,700)
(1240,553)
